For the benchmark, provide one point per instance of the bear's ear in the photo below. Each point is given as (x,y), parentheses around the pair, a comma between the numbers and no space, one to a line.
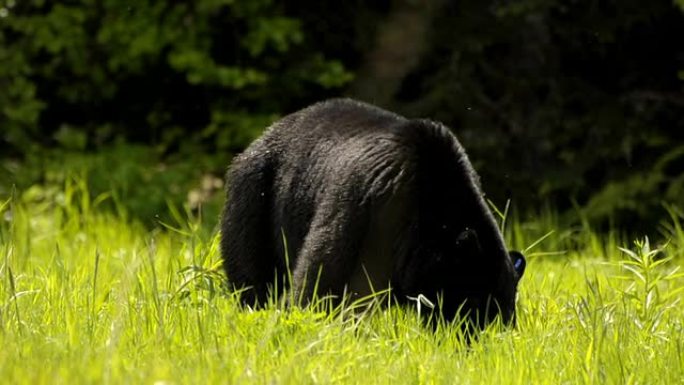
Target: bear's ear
(519,262)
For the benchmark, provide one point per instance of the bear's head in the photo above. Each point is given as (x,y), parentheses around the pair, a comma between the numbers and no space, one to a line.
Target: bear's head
(475,278)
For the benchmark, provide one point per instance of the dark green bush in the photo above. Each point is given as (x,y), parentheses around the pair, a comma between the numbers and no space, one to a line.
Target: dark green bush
(134,180)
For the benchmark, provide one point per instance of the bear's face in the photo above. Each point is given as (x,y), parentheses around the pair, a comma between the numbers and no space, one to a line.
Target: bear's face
(469,280)
(500,298)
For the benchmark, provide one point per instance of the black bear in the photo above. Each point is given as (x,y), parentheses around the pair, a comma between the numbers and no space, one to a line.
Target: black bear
(365,199)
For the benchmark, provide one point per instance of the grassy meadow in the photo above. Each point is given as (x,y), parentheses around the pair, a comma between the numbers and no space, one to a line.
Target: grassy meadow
(88,295)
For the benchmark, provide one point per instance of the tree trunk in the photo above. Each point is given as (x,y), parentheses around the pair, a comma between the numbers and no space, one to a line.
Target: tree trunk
(400,42)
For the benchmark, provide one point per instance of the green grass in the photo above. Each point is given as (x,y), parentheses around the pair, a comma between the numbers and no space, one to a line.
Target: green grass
(88,296)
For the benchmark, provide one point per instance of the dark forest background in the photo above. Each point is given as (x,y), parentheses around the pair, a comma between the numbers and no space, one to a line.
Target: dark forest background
(577,105)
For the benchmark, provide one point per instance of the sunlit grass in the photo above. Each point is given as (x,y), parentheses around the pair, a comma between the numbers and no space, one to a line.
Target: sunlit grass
(88,296)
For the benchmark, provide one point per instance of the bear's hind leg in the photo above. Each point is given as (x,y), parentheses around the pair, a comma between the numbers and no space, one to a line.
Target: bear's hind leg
(246,240)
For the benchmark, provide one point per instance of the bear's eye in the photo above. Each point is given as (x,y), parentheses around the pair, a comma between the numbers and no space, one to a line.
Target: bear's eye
(467,236)
(468,242)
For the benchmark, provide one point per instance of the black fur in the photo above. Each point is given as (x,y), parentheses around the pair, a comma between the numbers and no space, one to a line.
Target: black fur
(365,198)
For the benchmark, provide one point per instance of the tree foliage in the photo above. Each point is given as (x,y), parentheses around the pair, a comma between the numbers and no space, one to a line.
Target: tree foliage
(570,101)
(153,71)
(558,99)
